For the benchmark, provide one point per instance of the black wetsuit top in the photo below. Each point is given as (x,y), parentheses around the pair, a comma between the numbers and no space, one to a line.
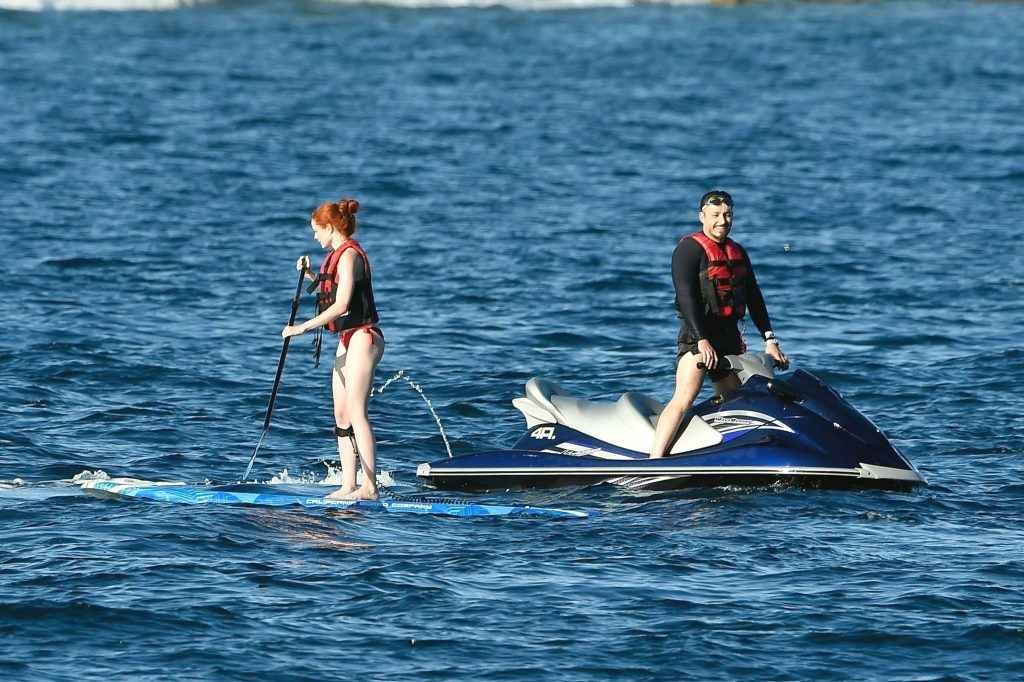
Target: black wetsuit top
(687,262)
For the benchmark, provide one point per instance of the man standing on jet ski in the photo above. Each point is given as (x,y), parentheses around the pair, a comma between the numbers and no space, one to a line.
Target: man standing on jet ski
(715,286)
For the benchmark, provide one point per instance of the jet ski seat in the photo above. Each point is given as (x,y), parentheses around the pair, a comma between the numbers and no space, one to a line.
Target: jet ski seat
(627,423)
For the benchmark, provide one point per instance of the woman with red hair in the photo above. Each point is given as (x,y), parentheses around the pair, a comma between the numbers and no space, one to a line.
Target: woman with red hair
(346,307)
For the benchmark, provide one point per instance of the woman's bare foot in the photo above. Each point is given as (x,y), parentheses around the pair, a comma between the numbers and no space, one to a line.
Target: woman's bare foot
(340,494)
(363,492)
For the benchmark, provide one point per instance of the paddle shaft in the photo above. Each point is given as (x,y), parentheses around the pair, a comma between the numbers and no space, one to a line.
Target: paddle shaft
(280,372)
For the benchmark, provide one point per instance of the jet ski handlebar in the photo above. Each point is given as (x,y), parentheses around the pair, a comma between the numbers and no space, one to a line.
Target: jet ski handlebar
(728,365)
(746,365)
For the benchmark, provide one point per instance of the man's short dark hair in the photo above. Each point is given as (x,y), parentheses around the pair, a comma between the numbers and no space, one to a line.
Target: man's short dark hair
(709,198)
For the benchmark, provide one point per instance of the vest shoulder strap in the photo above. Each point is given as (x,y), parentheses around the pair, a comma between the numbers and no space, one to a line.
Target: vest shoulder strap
(730,252)
(358,248)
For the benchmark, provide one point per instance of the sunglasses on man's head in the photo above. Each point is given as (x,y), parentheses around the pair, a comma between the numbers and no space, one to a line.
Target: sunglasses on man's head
(718,201)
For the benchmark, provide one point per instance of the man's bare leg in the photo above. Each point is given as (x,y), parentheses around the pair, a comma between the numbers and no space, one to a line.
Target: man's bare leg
(689,378)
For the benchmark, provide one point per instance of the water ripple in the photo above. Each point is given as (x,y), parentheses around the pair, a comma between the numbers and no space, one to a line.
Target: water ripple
(524,177)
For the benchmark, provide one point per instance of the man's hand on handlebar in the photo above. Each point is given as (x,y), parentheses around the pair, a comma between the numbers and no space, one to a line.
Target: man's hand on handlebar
(706,354)
(775,353)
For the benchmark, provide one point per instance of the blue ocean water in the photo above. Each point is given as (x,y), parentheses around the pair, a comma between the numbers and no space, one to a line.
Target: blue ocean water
(524,176)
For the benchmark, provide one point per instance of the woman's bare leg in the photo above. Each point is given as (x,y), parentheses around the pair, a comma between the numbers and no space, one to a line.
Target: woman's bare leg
(341,420)
(688,382)
(364,352)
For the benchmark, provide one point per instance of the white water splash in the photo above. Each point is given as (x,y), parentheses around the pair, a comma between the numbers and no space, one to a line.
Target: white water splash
(401,374)
(86,475)
(333,477)
(284,476)
(12,483)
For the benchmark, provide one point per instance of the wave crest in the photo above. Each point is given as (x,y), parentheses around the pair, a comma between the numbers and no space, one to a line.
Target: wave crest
(170,5)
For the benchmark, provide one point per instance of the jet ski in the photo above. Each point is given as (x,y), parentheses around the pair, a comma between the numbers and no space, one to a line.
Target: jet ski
(792,429)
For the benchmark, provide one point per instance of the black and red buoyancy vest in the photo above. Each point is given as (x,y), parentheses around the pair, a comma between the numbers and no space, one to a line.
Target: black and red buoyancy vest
(723,283)
(362,310)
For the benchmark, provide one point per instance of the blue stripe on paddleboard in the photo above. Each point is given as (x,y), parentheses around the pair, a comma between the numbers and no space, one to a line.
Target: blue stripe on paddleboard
(199,495)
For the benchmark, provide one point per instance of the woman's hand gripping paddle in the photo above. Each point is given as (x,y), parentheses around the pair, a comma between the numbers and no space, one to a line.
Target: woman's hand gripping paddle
(280,371)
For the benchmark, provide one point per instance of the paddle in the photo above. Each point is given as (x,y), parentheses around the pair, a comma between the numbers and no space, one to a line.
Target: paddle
(280,371)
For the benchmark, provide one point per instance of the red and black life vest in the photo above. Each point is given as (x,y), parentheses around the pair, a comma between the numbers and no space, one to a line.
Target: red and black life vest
(361,308)
(723,282)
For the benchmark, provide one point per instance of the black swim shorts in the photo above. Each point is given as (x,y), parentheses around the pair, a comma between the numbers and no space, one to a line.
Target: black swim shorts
(725,338)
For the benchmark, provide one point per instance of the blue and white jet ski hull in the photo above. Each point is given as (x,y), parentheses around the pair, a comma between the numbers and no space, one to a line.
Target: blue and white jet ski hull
(795,430)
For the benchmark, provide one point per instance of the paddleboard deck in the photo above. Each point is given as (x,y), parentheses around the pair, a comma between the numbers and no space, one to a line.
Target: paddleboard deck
(310,497)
